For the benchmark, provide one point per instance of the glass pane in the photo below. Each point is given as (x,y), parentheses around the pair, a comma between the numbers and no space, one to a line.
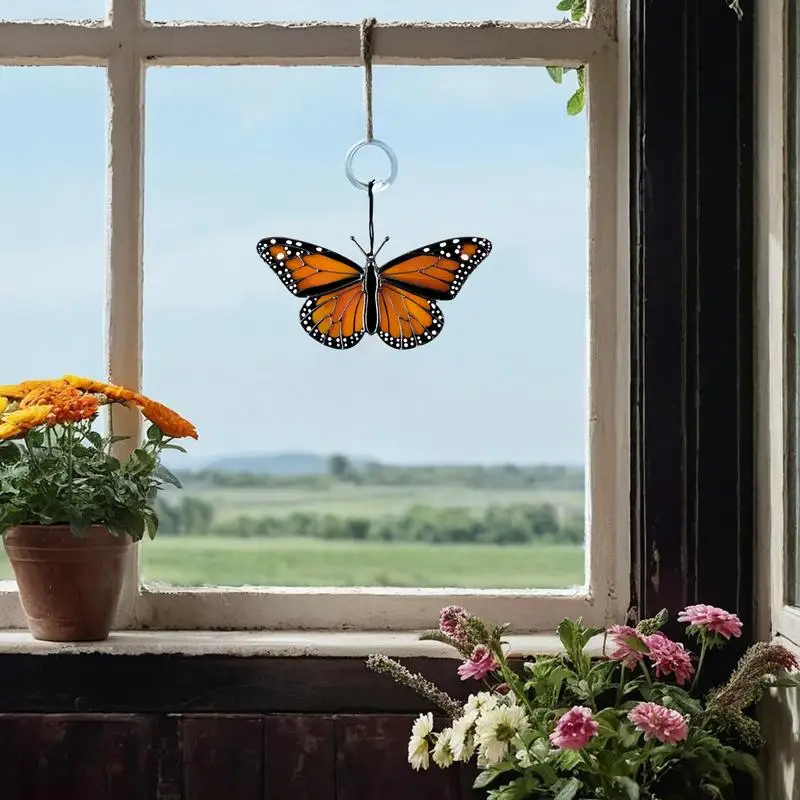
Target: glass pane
(52,224)
(455,464)
(52,9)
(352,10)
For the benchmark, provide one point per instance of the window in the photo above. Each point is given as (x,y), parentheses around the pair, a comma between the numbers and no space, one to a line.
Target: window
(492,56)
(779,308)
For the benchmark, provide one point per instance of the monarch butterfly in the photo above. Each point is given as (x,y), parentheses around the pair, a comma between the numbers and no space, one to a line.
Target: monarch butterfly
(398,300)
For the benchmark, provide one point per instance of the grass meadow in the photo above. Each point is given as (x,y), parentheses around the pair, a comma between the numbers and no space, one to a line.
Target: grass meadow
(215,560)
(199,560)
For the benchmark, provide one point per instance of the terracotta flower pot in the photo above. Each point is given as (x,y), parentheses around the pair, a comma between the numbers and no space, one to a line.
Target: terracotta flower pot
(69,586)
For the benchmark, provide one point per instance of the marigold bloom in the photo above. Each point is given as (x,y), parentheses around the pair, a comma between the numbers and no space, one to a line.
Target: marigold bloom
(669,658)
(479,664)
(116,394)
(656,722)
(8,431)
(73,409)
(575,729)
(170,422)
(625,638)
(27,418)
(711,619)
(19,390)
(3,403)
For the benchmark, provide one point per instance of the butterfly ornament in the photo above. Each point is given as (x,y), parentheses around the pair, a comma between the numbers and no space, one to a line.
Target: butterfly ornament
(397,300)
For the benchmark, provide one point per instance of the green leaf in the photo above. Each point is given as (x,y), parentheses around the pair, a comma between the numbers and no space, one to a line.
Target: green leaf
(747,763)
(154,434)
(578,10)
(162,473)
(565,5)
(569,790)
(629,786)
(556,73)
(576,102)
(9,453)
(486,777)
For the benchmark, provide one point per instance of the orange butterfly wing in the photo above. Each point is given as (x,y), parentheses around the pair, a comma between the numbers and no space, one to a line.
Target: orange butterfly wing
(437,271)
(335,319)
(409,286)
(405,319)
(308,270)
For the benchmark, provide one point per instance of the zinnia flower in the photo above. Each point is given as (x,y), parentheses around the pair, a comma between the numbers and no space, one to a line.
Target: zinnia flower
(711,619)
(479,664)
(669,658)
(575,729)
(442,751)
(625,638)
(496,728)
(656,722)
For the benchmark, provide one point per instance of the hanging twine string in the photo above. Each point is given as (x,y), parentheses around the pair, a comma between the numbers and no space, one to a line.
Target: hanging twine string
(367,27)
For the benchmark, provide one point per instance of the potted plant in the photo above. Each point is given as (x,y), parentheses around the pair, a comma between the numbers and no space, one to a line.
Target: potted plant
(69,509)
(631,725)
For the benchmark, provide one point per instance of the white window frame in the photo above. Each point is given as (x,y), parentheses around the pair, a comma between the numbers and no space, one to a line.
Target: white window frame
(777,616)
(125,43)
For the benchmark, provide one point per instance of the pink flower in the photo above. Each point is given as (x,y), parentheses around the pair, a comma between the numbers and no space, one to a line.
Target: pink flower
(712,620)
(451,619)
(670,658)
(657,722)
(575,729)
(479,664)
(623,636)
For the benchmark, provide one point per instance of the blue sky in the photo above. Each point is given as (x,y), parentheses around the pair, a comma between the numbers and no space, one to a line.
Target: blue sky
(236,154)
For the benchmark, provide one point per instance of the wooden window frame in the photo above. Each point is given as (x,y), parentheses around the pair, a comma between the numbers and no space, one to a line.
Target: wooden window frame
(125,43)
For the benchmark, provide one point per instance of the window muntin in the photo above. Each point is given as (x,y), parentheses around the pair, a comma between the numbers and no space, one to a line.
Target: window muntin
(128,44)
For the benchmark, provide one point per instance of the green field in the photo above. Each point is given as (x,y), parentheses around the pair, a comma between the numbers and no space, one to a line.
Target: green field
(346,499)
(210,560)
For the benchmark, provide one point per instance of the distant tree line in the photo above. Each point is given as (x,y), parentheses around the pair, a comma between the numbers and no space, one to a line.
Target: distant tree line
(343,470)
(508,524)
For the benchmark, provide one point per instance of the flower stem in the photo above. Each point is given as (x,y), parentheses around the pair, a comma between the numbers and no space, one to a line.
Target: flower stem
(621,685)
(699,663)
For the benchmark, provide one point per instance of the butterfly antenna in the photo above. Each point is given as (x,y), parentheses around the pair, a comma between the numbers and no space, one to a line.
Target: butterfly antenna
(381,247)
(353,238)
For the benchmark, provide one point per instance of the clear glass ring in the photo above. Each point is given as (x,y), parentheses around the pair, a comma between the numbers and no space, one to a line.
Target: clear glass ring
(380,183)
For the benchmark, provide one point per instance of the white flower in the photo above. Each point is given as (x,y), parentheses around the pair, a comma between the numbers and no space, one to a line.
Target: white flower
(496,728)
(443,751)
(423,726)
(481,701)
(418,753)
(462,742)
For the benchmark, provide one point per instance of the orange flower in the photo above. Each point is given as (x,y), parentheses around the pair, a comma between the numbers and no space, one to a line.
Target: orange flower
(27,418)
(47,394)
(72,409)
(9,431)
(170,422)
(116,394)
(19,390)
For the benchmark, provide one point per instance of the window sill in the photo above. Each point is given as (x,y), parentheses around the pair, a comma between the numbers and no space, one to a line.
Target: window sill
(274,644)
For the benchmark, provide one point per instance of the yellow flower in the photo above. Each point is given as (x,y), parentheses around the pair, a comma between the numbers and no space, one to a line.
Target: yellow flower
(3,404)
(9,431)
(116,394)
(19,390)
(27,418)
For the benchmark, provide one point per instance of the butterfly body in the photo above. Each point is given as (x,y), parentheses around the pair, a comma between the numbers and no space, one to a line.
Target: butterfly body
(397,301)
(371,281)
